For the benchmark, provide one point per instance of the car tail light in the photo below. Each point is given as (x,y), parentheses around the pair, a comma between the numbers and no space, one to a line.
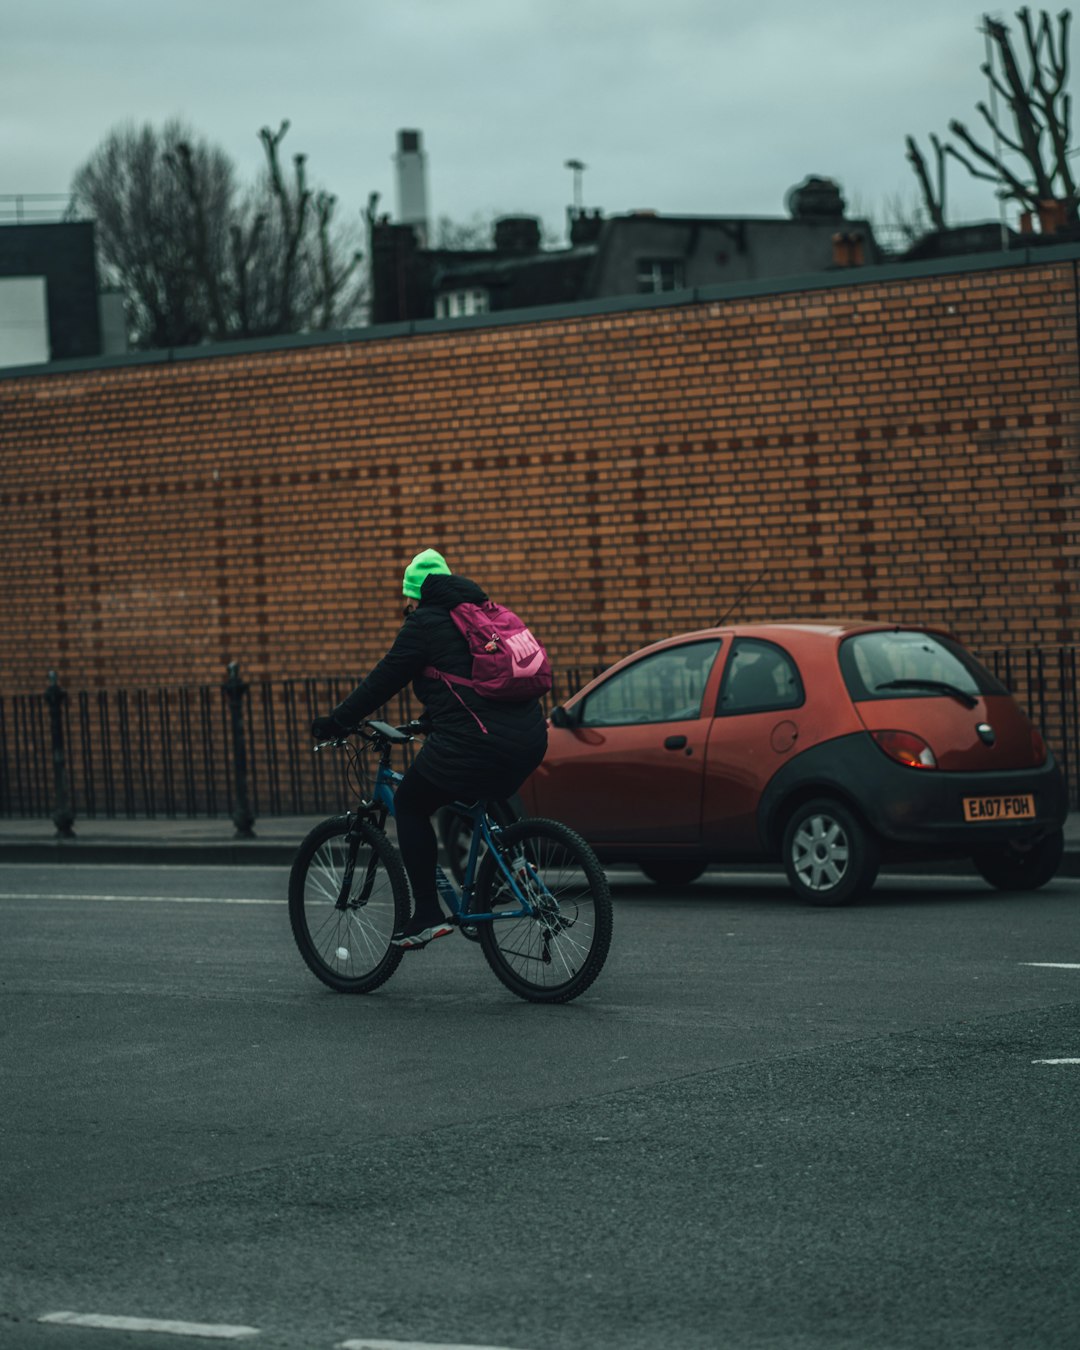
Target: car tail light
(906,748)
(1038,746)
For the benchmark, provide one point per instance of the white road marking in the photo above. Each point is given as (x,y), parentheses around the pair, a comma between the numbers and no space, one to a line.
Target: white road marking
(1055,1061)
(143,867)
(1054,965)
(102,1321)
(365,1344)
(142,899)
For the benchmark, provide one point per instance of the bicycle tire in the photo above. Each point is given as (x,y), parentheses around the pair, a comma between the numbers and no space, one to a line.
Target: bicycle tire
(348,949)
(554,955)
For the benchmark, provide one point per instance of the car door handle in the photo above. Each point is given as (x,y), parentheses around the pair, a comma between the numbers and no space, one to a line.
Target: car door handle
(675,743)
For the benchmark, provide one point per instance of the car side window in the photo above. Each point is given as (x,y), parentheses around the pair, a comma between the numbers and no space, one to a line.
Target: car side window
(760,677)
(667,686)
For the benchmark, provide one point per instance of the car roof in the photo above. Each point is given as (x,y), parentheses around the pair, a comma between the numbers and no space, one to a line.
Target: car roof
(832,630)
(777,631)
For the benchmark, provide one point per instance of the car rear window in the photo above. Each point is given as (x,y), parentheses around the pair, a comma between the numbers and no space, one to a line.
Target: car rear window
(906,664)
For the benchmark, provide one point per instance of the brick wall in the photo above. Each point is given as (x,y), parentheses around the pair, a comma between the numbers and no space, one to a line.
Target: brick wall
(902,445)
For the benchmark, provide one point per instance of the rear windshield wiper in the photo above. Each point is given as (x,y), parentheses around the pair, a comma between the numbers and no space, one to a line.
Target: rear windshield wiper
(933,687)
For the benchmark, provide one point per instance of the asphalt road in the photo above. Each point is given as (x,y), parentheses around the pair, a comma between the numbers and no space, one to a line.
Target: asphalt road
(764,1125)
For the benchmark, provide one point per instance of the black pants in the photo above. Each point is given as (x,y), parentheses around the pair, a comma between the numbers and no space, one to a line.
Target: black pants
(416,800)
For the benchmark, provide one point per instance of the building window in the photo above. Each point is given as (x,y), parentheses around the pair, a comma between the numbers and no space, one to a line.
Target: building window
(455,303)
(660,274)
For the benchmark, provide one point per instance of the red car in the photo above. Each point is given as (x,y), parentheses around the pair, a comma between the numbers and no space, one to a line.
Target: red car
(828,747)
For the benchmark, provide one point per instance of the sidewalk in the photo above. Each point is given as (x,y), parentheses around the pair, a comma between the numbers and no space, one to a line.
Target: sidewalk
(199,842)
(211,842)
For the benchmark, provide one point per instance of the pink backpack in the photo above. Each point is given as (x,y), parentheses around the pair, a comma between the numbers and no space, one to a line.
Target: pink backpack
(509,664)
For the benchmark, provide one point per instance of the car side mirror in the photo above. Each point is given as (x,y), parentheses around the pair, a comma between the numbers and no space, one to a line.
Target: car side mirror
(559,717)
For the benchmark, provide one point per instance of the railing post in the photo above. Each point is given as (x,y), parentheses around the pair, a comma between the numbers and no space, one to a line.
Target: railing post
(236,691)
(63,815)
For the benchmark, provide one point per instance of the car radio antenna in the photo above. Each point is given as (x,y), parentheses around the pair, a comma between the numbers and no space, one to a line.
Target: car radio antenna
(740,598)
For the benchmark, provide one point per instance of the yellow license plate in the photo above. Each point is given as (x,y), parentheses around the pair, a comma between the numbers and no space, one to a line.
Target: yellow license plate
(997,810)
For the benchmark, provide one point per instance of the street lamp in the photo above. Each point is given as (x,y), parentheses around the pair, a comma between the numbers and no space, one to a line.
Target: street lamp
(576,166)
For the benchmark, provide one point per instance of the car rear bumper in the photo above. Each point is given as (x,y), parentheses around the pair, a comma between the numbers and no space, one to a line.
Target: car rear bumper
(920,808)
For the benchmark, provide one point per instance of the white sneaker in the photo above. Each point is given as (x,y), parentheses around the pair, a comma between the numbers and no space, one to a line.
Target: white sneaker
(411,938)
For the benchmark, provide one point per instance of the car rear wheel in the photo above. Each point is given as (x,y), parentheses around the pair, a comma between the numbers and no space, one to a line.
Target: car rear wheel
(672,873)
(829,855)
(1015,869)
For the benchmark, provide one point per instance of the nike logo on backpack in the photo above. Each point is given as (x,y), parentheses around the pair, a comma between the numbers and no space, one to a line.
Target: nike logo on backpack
(527,667)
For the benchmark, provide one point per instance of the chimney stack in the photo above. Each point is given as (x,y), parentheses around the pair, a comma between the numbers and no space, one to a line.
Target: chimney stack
(517,234)
(411,165)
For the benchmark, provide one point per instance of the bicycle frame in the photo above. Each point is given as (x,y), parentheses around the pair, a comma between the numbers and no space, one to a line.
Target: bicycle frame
(381,805)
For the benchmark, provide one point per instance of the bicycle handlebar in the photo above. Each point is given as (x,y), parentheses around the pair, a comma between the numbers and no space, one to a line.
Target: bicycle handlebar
(380,733)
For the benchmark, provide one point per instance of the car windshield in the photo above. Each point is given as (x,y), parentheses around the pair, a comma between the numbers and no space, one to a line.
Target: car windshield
(905,664)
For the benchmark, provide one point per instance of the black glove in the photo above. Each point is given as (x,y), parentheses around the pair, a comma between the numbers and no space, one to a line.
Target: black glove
(327,729)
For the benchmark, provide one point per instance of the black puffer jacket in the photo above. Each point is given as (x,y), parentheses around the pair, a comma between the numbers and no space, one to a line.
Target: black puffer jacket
(458,755)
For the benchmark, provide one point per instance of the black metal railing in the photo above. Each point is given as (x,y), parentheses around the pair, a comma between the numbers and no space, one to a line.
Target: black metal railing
(240,749)
(243,749)
(1044,682)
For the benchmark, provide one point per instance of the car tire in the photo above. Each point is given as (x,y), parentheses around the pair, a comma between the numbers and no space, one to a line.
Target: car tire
(1014,869)
(673,872)
(830,857)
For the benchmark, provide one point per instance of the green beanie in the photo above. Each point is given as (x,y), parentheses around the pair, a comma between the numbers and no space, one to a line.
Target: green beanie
(426,564)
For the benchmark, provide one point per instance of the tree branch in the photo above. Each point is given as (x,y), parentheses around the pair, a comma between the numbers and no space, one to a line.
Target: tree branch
(1034,48)
(181,160)
(1060,64)
(933,202)
(1056,123)
(1021,104)
(975,173)
(991,74)
(1019,190)
(1013,145)
(324,209)
(293,220)
(243,250)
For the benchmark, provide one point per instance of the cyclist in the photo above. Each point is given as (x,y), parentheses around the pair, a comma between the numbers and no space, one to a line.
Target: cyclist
(476,749)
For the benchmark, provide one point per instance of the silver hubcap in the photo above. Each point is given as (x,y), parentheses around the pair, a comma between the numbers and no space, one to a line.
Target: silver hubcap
(820,853)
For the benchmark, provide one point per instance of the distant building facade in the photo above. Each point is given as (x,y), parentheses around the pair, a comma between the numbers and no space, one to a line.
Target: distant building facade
(641,252)
(51,306)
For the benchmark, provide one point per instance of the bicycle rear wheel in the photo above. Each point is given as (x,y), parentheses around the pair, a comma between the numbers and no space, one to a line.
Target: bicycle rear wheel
(554,954)
(348,946)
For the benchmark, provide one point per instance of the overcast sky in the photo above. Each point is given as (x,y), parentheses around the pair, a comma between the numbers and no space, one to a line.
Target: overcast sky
(684,106)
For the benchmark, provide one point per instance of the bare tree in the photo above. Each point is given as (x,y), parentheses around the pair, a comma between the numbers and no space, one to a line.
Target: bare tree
(292,208)
(340,283)
(1041,114)
(146,229)
(1040,110)
(313,270)
(197,260)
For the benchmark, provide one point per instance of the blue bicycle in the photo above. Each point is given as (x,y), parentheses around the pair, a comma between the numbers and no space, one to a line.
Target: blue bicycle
(533,895)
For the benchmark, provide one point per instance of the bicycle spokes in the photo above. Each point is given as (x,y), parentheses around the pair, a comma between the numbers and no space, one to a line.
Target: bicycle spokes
(555,949)
(347,894)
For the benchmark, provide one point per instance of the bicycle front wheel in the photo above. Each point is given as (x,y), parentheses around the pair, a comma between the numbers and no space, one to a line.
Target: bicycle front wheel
(343,932)
(555,953)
